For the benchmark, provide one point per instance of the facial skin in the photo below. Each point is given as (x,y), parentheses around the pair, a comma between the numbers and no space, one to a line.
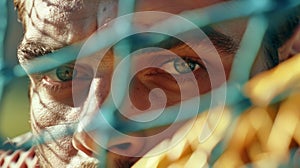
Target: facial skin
(51,25)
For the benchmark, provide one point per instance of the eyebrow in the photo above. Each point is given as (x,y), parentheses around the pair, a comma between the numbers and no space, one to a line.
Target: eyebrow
(30,50)
(224,43)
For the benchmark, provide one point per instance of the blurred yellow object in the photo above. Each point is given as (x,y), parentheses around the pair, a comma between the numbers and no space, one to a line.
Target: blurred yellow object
(267,85)
(261,136)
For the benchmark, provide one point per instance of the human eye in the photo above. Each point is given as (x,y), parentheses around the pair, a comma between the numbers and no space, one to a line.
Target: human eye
(180,77)
(65,82)
(59,78)
(63,73)
(65,76)
(181,65)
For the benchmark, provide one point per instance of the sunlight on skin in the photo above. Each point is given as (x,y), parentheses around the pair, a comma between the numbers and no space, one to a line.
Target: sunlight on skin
(59,24)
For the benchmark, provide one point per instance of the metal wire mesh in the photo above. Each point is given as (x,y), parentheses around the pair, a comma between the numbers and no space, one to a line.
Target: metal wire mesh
(258,12)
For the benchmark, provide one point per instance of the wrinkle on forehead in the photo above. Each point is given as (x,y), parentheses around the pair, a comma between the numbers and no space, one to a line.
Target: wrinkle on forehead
(61,11)
(63,22)
(174,6)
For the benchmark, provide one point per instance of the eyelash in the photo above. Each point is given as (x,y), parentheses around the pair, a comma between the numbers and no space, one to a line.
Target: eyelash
(181,78)
(49,84)
(185,58)
(54,85)
(57,86)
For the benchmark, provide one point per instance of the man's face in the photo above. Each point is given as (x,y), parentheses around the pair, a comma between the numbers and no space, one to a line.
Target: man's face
(59,96)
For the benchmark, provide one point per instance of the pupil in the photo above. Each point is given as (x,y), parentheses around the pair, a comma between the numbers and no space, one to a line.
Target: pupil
(64,73)
(184,66)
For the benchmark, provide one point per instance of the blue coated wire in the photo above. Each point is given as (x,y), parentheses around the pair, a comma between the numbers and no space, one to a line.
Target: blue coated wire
(121,50)
(3,29)
(251,43)
(107,38)
(249,47)
(233,92)
(248,50)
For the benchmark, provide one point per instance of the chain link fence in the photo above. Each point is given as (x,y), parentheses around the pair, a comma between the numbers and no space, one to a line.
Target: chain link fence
(246,111)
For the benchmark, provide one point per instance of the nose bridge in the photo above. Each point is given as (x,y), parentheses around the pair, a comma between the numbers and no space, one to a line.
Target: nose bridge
(104,63)
(88,140)
(99,89)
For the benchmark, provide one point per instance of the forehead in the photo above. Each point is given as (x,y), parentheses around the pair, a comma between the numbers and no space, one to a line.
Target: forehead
(174,6)
(61,11)
(70,21)
(55,24)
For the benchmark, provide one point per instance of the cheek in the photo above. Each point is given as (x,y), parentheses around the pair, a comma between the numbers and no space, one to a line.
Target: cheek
(174,90)
(46,112)
(74,95)
(162,89)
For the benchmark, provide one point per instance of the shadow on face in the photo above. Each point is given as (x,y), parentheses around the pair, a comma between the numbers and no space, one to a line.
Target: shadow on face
(162,76)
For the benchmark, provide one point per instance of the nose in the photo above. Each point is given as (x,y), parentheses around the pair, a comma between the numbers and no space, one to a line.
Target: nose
(89,143)
(131,146)
(91,140)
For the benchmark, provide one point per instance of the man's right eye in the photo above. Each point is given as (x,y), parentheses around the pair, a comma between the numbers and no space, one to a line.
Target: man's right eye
(179,66)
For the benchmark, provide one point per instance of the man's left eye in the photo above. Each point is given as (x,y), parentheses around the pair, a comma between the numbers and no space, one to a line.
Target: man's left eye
(179,66)
(63,73)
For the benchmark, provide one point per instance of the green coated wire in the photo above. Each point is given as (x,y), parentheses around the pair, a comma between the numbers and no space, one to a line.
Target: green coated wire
(251,41)
(232,90)
(248,50)
(255,30)
(234,94)
(3,28)
(244,59)
(107,38)
(121,50)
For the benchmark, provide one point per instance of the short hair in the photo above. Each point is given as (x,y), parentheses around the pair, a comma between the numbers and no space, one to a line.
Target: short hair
(279,31)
